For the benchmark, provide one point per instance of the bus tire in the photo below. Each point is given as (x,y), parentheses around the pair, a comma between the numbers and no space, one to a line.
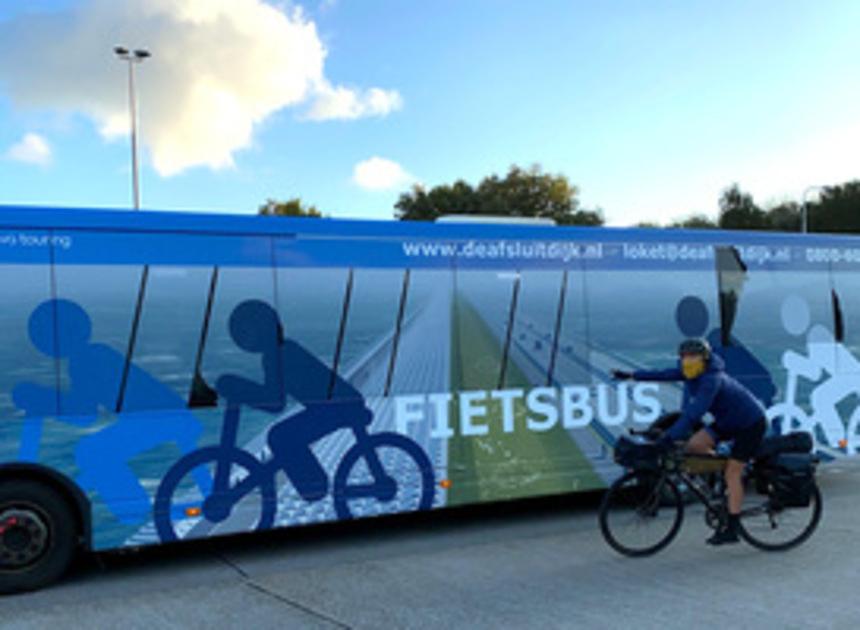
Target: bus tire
(38,535)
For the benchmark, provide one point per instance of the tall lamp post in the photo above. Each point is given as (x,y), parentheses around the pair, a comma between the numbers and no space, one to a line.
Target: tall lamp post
(133,57)
(804,224)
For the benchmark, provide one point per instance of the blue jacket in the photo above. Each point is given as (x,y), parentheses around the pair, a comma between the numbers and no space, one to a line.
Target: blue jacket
(734,408)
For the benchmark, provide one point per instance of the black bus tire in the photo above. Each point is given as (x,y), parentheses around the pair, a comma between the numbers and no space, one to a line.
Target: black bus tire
(54,513)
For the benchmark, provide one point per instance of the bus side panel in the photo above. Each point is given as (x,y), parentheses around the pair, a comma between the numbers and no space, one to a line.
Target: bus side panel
(130,312)
(28,365)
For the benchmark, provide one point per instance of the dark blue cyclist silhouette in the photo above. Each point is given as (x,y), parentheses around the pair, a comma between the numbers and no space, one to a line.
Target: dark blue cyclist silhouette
(152,414)
(375,468)
(691,315)
(290,370)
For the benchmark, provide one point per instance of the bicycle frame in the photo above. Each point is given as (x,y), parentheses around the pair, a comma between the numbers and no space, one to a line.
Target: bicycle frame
(224,497)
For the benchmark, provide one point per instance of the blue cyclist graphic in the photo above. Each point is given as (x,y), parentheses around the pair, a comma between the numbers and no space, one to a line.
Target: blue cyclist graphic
(691,316)
(243,485)
(152,414)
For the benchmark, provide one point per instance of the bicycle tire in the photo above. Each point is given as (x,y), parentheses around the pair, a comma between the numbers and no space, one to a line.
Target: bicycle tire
(626,494)
(211,454)
(806,532)
(352,457)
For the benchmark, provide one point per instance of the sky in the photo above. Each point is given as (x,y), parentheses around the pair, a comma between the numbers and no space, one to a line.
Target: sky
(651,108)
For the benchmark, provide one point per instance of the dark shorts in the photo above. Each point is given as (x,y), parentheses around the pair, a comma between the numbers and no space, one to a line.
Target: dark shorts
(745,442)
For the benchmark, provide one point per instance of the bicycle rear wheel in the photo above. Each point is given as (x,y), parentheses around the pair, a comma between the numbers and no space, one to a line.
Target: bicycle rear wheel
(641,513)
(773,528)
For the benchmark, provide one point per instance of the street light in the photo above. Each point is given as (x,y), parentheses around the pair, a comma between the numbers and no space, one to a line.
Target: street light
(133,57)
(803,205)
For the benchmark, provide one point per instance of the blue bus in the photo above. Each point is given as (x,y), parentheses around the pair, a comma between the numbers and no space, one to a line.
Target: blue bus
(172,376)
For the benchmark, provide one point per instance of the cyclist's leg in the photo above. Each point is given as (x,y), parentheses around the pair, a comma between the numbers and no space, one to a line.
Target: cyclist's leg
(744,447)
(103,467)
(290,442)
(702,442)
(734,484)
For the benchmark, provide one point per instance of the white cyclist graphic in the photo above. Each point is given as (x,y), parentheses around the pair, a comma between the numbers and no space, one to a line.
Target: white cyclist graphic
(829,364)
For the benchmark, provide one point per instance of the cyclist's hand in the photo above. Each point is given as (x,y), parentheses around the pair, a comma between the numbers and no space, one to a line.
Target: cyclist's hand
(621,375)
(653,433)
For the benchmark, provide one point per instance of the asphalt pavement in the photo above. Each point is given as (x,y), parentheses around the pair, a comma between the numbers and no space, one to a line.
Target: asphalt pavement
(532,564)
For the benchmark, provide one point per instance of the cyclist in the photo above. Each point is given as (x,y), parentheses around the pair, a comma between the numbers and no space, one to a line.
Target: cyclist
(738,416)
(330,402)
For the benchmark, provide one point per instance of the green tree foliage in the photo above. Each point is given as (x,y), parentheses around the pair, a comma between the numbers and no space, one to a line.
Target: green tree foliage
(290,208)
(738,211)
(837,209)
(695,222)
(784,217)
(520,193)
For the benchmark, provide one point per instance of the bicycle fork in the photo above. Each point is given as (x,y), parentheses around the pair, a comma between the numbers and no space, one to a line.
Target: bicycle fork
(382,487)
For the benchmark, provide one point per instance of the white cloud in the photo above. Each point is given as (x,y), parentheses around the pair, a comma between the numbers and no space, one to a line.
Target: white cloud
(31,149)
(344,103)
(378,173)
(218,69)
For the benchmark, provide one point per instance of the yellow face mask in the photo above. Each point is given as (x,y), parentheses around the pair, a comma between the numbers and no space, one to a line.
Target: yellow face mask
(692,366)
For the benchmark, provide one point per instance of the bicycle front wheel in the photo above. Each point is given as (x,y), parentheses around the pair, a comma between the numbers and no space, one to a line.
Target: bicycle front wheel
(770,527)
(641,513)
(181,499)
(356,492)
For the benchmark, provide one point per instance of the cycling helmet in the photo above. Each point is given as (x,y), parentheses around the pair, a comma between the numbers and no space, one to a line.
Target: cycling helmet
(695,346)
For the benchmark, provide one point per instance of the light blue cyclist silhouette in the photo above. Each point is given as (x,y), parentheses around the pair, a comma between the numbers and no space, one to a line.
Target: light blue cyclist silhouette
(691,316)
(152,414)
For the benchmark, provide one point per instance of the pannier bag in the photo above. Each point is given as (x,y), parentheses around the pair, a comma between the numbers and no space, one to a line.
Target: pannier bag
(792,479)
(636,451)
(797,442)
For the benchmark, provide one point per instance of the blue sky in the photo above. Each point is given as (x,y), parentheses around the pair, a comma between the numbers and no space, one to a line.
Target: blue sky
(651,108)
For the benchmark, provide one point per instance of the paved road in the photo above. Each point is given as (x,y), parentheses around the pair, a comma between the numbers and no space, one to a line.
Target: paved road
(535,564)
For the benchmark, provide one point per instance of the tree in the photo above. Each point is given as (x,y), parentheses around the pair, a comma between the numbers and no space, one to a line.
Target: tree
(784,217)
(290,208)
(739,212)
(695,222)
(520,193)
(837,209)
(421,205)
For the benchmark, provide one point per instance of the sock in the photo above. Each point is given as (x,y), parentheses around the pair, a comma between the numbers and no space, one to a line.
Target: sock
(734,521)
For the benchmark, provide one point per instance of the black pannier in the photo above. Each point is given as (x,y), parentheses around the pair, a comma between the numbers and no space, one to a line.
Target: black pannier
(797,442)
(792,479)
(636,451)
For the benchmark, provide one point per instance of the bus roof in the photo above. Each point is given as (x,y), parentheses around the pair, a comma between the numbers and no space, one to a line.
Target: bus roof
(41,217)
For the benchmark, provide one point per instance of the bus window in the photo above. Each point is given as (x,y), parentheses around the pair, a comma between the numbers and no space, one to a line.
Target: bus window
(639,315)
(311,303)
(222,355)
(177,295)
(533,344)
(369,330)
(484,301)
(783,312)
(423,359)
(569,362)
(25,276)
(98,303)
(845,302)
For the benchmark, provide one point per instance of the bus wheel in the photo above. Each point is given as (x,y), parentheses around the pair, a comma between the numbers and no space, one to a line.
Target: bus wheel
(37,535)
